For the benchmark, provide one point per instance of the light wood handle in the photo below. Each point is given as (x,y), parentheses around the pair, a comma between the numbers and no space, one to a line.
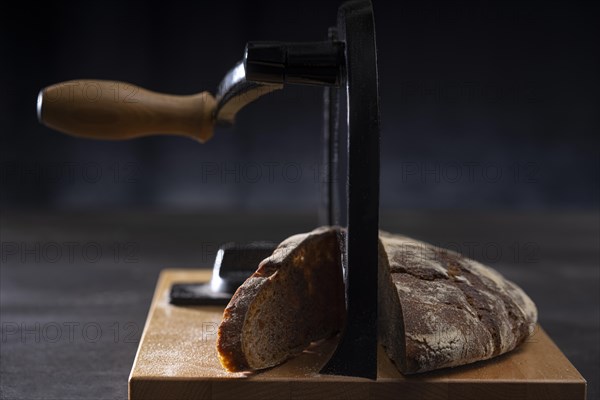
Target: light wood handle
(116,110)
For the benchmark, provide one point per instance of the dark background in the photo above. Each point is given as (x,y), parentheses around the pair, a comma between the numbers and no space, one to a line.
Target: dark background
(490,138)
(484,105)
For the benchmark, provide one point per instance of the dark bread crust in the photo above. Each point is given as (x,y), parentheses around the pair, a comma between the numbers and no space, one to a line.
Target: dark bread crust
(452,310)
(295,297)
(229,345)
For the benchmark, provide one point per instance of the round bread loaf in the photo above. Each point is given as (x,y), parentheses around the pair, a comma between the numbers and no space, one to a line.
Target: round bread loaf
(440,309)
(436,308)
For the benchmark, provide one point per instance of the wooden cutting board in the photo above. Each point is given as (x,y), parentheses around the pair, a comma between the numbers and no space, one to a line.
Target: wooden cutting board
(177,359)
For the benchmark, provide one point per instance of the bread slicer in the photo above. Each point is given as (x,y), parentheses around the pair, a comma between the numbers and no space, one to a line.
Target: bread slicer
(345,65)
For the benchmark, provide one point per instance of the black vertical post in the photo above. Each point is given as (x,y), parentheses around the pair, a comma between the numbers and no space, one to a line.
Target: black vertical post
(356,354)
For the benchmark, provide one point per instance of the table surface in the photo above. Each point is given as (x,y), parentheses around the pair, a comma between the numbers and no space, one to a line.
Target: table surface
(75,288)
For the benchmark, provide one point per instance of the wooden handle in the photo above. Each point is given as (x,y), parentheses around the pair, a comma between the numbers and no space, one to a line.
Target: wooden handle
(116,110)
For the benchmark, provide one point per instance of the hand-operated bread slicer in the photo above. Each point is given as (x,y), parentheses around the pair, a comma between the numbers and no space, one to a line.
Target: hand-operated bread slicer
(345,65)
(177,357)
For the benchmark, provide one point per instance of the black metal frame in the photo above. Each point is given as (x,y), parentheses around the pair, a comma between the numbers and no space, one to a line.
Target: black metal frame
(356,354)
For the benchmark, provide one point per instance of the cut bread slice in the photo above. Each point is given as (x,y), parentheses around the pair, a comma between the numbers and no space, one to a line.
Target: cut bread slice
(437,308)
(294,298)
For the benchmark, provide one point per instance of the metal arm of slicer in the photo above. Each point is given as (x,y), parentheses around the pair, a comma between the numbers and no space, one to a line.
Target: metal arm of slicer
(111,110)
